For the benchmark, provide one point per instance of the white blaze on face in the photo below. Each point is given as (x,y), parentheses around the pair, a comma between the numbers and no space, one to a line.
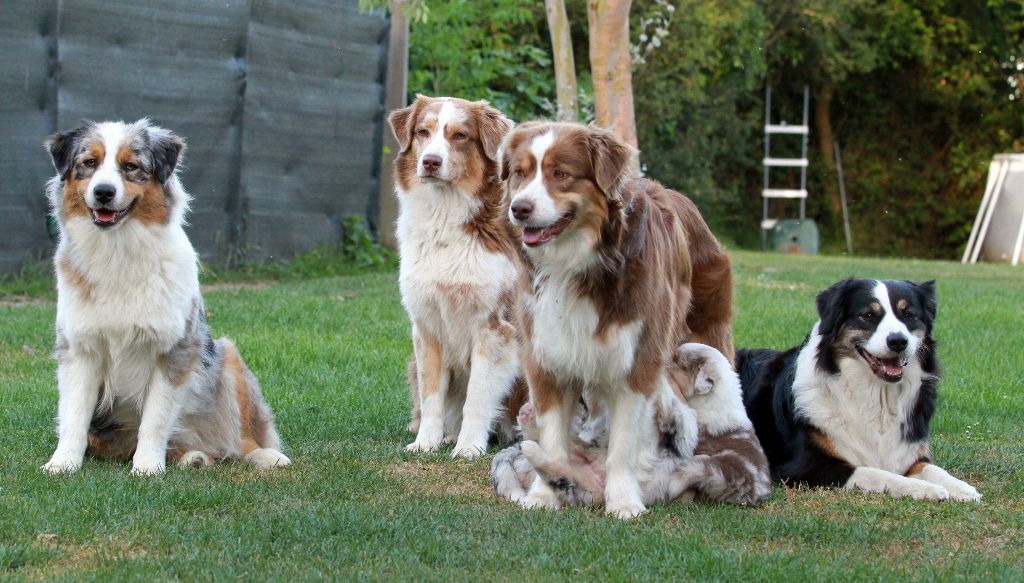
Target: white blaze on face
(878,345)
(536,192)
(107,171)
(438,145)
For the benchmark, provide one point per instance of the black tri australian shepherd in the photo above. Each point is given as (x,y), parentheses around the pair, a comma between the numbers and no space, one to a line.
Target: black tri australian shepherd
(851,406)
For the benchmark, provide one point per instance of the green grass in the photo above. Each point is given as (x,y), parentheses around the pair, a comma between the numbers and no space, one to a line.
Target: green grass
(330,354)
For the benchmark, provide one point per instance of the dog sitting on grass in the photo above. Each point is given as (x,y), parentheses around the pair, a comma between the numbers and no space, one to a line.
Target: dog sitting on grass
(727,465)
(138,373)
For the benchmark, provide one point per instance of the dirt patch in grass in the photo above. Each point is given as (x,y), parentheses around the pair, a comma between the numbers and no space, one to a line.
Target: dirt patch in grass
(236,285)
(451,479)
(21,301)
(75,559)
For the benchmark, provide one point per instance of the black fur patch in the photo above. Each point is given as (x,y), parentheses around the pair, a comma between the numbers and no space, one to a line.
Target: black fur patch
(64,147)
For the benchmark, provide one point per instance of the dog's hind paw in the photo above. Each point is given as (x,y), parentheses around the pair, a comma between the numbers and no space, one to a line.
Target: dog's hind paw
(266,458)
(194,459)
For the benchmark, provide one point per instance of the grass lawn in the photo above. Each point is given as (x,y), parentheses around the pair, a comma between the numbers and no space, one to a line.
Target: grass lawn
(330,355)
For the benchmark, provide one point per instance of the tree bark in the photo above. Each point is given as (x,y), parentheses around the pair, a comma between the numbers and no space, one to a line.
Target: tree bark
(395,90)
(612,67)
(823,128)
(565,63)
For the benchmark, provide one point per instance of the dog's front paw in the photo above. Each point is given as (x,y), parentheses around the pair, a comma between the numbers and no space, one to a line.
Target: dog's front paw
(424,444)
(625,510)
(926,491)
(147,469)
(62,465)
(963,492)
(469,451)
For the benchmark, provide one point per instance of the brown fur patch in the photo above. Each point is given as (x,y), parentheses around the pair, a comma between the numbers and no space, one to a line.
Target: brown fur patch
(233,366)
(75,277)
(825,444)
(916,468)
(428,352)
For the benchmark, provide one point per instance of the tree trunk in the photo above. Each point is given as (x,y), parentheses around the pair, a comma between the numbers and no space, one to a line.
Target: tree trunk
(565,63)
(395,96)
(823,128)
(612,67)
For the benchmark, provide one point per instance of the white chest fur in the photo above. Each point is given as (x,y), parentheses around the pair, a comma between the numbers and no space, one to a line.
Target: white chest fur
(564,340)
(125,295)
(450,281)
(862,415)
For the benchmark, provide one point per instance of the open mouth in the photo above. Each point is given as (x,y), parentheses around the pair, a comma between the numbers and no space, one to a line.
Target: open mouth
(888,369)
(106,218)
(537,236)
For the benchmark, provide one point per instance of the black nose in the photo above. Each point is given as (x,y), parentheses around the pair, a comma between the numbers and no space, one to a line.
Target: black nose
(104,193)
(431,162)
(896,342)
(522,209)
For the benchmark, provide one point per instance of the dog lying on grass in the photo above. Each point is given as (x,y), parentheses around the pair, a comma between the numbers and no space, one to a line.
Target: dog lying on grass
(727,464)
(851,407)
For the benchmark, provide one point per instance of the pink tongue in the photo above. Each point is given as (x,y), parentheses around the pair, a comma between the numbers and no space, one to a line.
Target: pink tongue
(532,236)
(105,215)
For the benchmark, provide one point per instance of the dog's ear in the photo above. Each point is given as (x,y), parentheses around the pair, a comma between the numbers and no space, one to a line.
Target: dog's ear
(612,160)
(63,149)
(166,149)
(493,126)
(926,293)
(831,307)
(403,120)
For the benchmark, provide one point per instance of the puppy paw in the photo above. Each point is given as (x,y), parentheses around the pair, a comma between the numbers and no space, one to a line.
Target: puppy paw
(527,415)
(266,458)
(543,499)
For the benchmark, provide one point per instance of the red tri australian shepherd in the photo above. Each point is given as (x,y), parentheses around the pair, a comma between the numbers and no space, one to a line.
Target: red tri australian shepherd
(619,272)
(458,274)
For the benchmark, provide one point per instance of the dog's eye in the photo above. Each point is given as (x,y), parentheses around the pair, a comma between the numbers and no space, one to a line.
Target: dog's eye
(423,133)
(459,136)
(130,167)
(869,316)
(558,174)
(89,162)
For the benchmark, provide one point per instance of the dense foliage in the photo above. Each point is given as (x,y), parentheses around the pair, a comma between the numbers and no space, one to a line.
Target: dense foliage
(919,94)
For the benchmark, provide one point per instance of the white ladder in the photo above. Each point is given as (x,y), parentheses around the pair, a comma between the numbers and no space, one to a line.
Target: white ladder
(767,192)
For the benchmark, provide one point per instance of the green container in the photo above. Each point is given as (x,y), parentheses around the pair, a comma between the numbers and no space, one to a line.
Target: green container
(795,236)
